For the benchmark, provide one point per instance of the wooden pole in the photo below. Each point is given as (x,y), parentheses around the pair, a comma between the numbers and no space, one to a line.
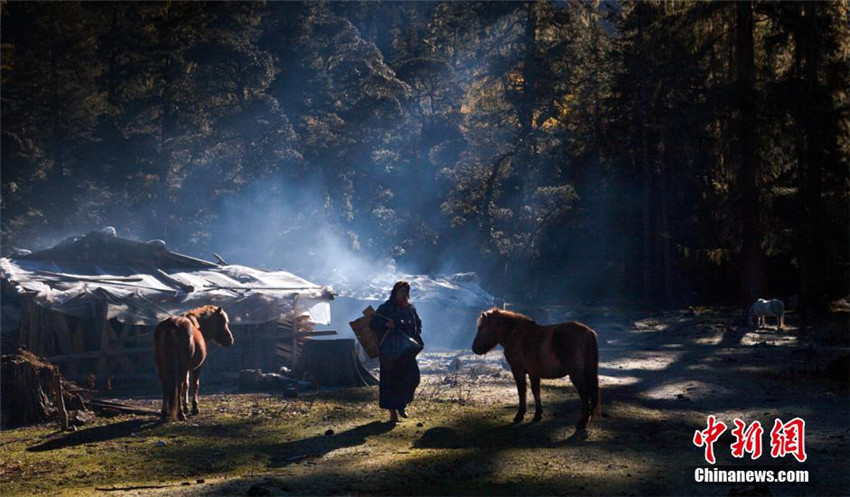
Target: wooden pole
(61,412)
(102,327)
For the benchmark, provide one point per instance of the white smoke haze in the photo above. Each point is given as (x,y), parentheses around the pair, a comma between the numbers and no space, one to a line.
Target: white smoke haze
(290,227)
(276,225)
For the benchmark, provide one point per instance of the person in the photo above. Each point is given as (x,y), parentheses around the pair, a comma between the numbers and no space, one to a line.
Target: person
(398,381)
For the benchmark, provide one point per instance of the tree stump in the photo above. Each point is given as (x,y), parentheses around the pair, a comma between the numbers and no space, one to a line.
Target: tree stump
(31,389)
(334,363)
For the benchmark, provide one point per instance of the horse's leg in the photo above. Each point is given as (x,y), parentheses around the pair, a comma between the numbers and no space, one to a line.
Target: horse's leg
(535,390)
(183,402)
(195,384)
(166,395)
(519,378)
(584,394)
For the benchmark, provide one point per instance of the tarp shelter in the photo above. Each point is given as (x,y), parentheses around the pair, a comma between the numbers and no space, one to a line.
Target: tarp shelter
(449,305)
(90,304)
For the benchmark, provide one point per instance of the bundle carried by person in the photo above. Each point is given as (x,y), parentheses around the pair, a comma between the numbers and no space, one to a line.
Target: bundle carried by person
(365,334)
(397,346)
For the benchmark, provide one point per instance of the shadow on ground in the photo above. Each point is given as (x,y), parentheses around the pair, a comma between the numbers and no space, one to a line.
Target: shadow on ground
(320,445)
(96,434)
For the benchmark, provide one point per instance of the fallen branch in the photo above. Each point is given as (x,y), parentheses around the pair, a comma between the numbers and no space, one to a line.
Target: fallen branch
(123,408)
(163,276)
(98,354)
(139,487)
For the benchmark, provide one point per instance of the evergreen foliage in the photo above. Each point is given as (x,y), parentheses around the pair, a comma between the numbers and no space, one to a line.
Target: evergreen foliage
(662,152)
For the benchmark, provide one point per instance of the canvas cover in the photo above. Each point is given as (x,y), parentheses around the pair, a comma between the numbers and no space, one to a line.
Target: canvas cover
(145,283)
(454,290)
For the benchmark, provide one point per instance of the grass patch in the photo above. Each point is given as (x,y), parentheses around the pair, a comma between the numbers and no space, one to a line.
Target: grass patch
(459,439)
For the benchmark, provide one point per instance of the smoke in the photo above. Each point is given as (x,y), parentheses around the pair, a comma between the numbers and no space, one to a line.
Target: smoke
(279,224)
(275,224)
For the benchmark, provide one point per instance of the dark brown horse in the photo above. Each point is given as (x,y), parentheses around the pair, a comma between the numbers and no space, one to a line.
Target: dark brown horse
(544,352)
(180,347)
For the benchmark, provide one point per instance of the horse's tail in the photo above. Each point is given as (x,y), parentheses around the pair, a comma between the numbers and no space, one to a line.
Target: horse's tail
(168,363)
(176,377)
(591,374)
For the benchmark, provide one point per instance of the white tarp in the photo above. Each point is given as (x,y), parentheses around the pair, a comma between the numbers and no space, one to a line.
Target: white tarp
(250,296)
(455,290)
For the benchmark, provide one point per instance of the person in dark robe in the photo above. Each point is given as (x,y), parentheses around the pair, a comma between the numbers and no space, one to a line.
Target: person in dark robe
(398,381)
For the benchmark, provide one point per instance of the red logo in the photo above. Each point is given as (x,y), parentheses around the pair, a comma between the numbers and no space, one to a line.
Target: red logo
(785,438)
(748,440)
(788,438)
(708,436)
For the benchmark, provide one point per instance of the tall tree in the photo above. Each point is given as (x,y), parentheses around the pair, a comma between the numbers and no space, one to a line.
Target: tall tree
(752,273)
(347,106)
(51,105)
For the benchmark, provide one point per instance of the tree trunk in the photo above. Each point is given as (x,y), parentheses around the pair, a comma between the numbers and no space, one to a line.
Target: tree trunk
(530,73)
(664,239)
(646,170)
(31,389)
(752,274)
(811,156)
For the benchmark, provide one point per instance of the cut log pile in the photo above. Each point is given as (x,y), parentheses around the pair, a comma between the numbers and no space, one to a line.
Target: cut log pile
(31,390)
(290,336)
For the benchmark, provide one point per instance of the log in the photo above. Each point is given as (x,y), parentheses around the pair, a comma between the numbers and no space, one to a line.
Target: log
(98,354)
(287,334)
(105,405)
(34,384)
(59,401)
(163,276)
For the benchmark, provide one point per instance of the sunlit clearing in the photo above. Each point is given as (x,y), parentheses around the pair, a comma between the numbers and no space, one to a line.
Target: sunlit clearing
(644,361)
(688,389)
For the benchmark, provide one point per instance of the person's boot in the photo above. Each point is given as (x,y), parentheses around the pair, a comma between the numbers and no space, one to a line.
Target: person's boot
(402,413)
(393,416)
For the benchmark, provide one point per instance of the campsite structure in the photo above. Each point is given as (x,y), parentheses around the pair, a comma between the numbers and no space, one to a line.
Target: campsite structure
(90,305)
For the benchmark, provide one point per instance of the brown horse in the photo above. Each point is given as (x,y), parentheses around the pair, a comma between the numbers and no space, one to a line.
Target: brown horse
(544,352)
(180,347)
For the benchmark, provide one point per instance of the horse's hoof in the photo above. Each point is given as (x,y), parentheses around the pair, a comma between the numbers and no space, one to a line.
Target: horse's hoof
(518,418)
(537,418)
(195,411)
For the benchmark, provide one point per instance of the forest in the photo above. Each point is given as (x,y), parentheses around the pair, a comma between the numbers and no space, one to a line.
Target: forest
(663,153)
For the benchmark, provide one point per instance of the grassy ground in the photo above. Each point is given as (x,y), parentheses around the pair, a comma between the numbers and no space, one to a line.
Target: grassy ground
(661,377)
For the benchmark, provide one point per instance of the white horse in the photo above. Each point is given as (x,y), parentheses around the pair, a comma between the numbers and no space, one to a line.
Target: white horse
(762,308)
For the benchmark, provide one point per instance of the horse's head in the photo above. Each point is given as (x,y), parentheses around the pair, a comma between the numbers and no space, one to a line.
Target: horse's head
(222,328)
(487,336)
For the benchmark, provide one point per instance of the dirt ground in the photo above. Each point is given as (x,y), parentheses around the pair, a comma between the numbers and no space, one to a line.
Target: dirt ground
(661,376)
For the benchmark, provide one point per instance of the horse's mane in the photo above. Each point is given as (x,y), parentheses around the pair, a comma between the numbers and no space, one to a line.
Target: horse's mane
(505,315)
(202,311)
